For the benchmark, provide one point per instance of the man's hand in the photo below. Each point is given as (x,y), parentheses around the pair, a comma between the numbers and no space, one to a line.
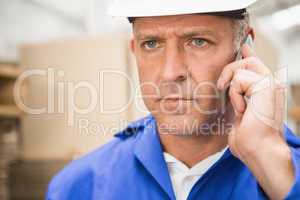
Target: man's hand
(257,137)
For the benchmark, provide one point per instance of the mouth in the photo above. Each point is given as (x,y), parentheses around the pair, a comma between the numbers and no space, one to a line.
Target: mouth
(176,99)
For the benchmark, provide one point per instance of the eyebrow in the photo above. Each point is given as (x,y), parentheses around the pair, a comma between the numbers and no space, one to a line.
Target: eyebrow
(144,35)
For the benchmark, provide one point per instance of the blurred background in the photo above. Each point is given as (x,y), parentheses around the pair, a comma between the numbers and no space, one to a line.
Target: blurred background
(56,53)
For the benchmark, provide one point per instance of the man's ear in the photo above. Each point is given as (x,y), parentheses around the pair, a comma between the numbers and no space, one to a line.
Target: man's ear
(132,47)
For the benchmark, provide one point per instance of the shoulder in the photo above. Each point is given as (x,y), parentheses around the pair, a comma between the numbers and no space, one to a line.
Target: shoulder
(100,162)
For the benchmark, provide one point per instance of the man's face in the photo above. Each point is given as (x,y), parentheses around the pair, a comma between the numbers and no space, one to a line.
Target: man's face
(179,61)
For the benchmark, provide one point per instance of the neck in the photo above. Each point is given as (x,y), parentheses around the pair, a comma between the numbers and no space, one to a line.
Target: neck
(192,149)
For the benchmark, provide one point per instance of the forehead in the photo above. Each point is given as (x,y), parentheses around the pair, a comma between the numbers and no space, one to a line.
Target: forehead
(181,24)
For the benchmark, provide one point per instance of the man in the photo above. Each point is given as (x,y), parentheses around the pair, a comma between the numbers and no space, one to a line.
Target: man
(196,72)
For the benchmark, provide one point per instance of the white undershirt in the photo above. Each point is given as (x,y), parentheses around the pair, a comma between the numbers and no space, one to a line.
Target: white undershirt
(183,178)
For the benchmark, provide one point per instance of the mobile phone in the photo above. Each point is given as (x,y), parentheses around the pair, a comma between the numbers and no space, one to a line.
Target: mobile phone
(248,40)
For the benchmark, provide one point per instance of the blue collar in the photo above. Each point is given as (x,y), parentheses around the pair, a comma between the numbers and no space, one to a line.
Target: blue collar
(148,151)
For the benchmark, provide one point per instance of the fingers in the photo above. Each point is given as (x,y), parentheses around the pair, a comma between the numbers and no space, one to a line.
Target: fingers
(237,99)
(251,78)
(250,63)
(240,87)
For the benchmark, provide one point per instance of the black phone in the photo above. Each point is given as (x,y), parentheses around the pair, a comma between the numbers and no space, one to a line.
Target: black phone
(248,40)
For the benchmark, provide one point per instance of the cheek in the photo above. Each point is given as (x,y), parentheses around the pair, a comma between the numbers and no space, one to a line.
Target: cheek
(208,68)
(148,70)
(147,81)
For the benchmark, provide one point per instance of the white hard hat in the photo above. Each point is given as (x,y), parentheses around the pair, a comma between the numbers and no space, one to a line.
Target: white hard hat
(145,8)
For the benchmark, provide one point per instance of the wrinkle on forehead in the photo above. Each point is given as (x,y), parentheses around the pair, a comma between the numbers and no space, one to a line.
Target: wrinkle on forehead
(179,32)
(181,25)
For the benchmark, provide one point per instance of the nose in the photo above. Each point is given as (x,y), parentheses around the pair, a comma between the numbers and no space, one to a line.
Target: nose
(174,68)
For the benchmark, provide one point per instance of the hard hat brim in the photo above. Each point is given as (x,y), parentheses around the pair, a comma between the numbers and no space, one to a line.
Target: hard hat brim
(234,14)
(147,8)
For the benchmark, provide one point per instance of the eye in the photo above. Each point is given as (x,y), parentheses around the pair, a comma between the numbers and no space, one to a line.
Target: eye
(199,42)
(151,44)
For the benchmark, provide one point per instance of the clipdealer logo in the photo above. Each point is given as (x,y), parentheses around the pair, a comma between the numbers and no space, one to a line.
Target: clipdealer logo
(61,95)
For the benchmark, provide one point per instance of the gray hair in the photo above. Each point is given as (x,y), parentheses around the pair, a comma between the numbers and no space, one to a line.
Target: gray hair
(240,27)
